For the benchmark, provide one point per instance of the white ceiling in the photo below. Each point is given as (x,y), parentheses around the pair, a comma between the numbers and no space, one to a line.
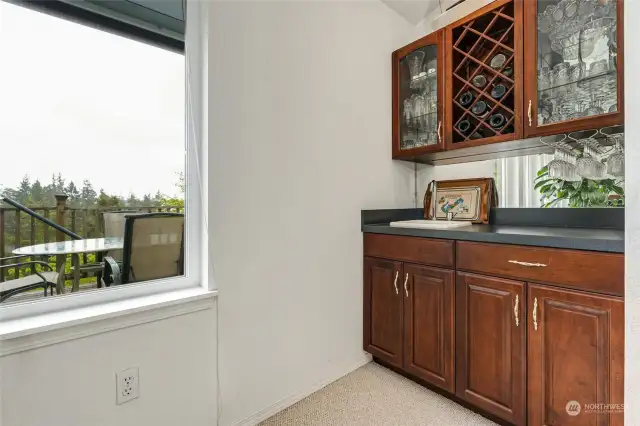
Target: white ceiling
(413,10)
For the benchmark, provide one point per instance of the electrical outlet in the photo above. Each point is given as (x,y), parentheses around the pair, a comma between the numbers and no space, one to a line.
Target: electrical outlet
(127,385)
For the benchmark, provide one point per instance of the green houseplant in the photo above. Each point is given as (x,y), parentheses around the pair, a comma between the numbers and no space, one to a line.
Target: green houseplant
(586,193)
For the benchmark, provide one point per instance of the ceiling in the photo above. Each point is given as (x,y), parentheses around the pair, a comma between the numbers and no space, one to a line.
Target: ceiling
(414,11)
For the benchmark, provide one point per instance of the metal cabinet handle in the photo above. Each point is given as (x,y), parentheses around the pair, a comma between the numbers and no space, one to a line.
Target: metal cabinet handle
(406,277)
(515,311)
(530,120)
(439,129)
(535,313)
(536,265)
(395,282)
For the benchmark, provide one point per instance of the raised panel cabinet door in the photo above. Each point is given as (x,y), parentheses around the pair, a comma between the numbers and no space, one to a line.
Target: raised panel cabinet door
(574,68)
(383,309)
(576,358)
(429,324)
(417,97)
(490,345)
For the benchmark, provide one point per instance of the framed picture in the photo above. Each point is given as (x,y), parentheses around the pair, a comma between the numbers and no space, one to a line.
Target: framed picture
(466,199)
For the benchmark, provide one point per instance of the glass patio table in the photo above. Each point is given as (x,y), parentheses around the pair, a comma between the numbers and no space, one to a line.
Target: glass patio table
(75,248)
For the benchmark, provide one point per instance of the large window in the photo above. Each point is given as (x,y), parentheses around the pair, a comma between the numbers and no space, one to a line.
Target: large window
(92,160)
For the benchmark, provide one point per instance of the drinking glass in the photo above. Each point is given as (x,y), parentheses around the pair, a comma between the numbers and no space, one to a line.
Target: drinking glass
(415,63)
(615,162)
(589,166)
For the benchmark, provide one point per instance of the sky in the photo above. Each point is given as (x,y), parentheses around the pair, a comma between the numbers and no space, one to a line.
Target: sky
(88,104)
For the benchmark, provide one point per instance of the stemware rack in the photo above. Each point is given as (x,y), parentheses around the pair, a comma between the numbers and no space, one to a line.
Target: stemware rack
(484,46)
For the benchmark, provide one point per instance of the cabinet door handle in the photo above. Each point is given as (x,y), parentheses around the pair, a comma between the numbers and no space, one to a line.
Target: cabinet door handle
(515,311)
(530,120)
(439,129)
(533,265)
(535,313)
(406,278)
(395,282)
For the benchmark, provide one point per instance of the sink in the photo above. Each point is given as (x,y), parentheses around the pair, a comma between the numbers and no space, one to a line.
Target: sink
(430,224)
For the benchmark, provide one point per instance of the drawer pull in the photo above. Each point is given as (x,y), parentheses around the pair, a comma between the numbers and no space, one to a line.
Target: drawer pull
(537,265)
(406,277)
(515,311)
(535,313)
(395,282)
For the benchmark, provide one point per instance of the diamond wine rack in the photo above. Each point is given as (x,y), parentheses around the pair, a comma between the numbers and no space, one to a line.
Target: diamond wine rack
(483,76)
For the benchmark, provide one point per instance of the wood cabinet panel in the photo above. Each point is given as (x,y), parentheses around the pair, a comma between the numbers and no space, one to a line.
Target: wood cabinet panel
(490,345)
(410,249)
(428,325)
(591,271)
(383,310)
(576,353)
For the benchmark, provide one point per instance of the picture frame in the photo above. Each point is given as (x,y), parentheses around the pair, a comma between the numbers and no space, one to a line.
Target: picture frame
(468,199)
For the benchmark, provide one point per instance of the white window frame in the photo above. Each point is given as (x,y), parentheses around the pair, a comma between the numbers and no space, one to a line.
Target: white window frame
(196,242)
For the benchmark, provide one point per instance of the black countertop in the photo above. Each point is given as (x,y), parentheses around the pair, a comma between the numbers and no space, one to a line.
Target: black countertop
(593,239)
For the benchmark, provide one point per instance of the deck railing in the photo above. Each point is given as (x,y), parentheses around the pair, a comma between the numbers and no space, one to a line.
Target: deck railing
(18,229)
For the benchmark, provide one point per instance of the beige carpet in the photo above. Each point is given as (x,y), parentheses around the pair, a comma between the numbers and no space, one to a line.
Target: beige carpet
(374,395)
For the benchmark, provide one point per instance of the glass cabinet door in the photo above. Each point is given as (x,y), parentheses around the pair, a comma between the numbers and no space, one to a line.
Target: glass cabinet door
(574,48)
(417,96)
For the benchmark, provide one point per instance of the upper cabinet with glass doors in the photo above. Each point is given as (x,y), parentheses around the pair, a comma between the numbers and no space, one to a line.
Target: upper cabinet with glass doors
(417,92)
(573,65)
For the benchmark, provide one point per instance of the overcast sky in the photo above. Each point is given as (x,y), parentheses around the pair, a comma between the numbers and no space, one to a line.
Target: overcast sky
(87,104)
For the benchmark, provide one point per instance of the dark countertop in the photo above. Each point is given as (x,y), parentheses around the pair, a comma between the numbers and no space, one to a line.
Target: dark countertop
(593,239)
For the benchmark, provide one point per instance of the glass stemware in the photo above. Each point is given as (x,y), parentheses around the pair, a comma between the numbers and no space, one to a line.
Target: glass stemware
(589,166)
(615,161)
(415,63)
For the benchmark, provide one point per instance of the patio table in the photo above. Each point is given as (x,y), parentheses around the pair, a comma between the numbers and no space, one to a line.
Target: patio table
(75,248)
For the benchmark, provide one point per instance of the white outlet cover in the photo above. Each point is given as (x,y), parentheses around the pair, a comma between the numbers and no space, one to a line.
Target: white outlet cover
(127,385)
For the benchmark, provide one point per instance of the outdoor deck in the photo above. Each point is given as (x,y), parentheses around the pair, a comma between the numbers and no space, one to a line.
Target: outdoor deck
(18,229)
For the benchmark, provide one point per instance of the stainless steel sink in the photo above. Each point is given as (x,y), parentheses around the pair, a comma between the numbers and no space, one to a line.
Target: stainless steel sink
(431,224)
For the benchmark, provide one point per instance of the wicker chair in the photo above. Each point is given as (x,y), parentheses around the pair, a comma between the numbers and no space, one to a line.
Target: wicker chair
(153,249)
(46,279)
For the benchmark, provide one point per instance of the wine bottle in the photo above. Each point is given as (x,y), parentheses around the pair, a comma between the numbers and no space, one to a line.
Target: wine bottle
(464,126)
(466,98)
(497,121)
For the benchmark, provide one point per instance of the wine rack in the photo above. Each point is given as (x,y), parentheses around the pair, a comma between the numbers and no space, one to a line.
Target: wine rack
(484,77)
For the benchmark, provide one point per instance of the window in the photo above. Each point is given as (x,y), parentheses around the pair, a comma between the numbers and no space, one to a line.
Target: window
(94,146)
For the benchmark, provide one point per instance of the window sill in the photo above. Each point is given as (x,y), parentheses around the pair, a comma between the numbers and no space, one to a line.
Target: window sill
(33,332)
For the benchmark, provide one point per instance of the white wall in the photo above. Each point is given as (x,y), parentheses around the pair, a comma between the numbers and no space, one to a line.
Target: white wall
(632,221)
(300,130)
(73,383)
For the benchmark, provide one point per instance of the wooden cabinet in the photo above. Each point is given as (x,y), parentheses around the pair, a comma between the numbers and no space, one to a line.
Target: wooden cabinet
(491,346)
(527,353)
(484,76)
(513,69)
(428,324)
(573,61)
(383,310)
(417,97)
(576,353)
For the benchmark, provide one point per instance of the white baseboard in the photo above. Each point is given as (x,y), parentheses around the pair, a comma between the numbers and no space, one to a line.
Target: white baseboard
(297,396)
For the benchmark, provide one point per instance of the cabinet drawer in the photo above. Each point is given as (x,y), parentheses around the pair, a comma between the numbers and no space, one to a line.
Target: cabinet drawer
(591,271)
(410,249)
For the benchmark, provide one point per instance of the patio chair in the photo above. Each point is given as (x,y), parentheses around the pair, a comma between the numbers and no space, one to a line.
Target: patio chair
(113,227)
(45,279)
(153,249)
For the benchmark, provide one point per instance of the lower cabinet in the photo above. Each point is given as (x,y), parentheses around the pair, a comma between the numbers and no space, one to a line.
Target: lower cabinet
(530,354)
(491,345)
(576,358)
(383,310)
(428,325)
(408,318)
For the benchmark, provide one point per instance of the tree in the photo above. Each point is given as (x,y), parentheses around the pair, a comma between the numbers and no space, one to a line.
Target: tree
(132,201)
(109,201)
(73,192)
(87,193)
